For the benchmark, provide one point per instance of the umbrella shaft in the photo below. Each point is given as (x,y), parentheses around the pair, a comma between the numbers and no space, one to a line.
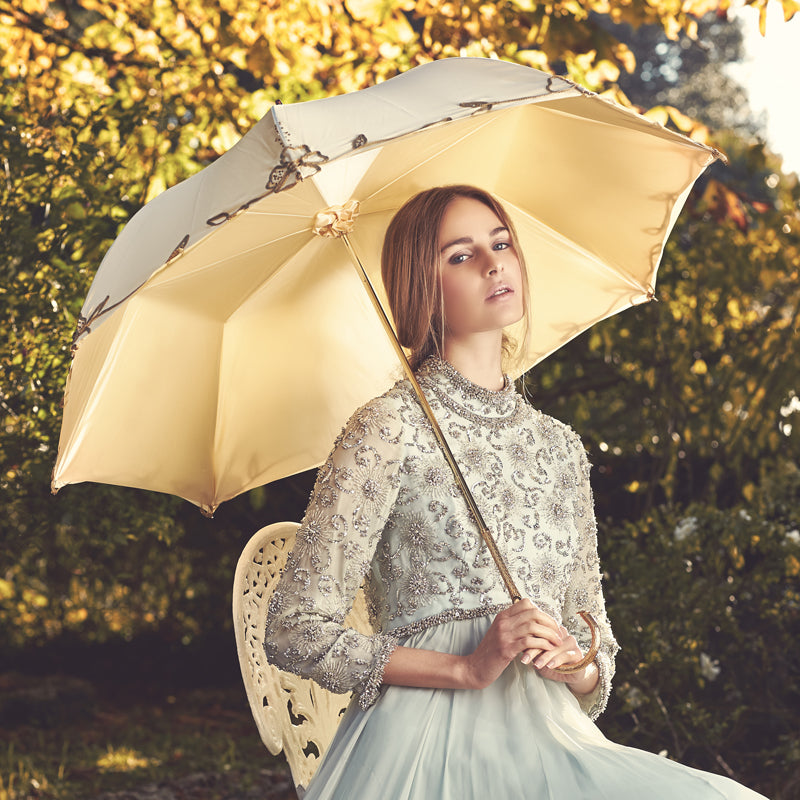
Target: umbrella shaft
(448,454)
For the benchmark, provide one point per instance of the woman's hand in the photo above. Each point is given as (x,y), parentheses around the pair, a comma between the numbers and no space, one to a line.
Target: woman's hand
(521,629)
(568,652)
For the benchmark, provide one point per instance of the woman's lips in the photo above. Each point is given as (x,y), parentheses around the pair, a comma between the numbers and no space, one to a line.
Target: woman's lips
(500,291)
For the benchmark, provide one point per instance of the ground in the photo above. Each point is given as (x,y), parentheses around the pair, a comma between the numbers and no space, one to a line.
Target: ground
(112,732)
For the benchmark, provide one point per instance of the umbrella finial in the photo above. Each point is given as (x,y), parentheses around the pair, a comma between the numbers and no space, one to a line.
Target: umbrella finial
(336,221)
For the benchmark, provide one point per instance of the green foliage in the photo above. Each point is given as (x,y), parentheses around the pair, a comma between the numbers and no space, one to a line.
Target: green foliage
(61,208)
(54,225)
(706,605)
(204,72)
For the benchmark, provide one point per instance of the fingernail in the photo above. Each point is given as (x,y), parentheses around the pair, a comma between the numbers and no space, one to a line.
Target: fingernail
(526,658)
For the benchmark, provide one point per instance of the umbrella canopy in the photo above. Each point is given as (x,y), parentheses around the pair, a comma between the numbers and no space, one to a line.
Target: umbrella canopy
(224,343)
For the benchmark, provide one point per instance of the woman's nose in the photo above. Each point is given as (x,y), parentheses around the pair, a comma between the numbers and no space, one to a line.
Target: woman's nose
(493,268)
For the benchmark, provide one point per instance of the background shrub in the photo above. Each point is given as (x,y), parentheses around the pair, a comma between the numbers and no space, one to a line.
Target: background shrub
(706,606)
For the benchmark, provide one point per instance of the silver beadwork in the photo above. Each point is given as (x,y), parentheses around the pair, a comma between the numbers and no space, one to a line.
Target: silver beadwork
(385,507)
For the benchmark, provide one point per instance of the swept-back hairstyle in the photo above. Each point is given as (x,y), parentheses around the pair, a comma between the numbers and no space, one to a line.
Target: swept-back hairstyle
(410,270)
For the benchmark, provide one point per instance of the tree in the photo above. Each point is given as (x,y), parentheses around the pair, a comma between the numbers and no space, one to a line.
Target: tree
(197,75)
(689,73)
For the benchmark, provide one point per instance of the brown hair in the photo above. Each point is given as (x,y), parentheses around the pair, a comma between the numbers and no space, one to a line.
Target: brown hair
(410,269)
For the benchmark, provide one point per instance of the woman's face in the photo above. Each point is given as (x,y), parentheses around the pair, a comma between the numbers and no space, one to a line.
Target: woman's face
(480,272)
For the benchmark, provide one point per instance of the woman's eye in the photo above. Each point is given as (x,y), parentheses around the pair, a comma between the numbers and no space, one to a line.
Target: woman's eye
(501,245)
(459,258)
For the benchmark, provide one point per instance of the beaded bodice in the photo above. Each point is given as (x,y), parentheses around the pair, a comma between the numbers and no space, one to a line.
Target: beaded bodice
(386,510)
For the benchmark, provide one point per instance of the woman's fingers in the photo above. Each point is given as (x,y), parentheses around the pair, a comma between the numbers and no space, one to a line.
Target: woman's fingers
(529,621)
(569,652)
(516,638)
(521,630)
(528,655)
(553,660)
(510,632)
(544,619)
(528,632)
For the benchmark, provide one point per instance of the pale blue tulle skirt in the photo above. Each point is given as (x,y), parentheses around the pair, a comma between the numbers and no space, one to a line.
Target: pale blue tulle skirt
(522,738)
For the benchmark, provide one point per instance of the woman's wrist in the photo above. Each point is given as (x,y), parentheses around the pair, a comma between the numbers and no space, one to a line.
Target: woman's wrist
(586,682)
(430,669)
(464,674)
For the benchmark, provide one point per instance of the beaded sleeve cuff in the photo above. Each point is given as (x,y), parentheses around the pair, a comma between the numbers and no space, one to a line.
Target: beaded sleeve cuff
(594,704)
(371,687)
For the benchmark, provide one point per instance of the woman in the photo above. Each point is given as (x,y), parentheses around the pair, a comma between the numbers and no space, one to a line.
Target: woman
(458,692)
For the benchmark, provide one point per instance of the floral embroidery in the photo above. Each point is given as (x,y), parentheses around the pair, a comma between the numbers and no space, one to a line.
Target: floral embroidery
(518,454)
(305,639)
(416,532)
(370,489)
(418,587)
(314,540)
(474,457)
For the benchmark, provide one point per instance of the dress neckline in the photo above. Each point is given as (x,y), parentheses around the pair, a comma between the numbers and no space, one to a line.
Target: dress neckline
(458,393)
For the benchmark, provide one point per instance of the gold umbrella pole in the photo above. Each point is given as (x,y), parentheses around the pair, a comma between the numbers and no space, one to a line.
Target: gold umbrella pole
(448,453)
(486,535)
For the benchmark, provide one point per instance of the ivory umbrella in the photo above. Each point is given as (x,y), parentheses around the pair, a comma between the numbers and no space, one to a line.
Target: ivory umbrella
(225,341)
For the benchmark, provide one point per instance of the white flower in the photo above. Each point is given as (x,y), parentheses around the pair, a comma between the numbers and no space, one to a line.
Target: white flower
(744,515)
(634,697)
(793,536)
(709,668)
(685,528)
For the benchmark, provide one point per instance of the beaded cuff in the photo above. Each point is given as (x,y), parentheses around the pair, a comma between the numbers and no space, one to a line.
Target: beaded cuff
(369,692)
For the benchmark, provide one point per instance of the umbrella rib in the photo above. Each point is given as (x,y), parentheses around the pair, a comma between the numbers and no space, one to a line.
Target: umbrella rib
(654,128)
(591,257)
(218,261)
(417,165)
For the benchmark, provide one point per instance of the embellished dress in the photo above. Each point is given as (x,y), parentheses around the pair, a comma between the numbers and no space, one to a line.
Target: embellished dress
(385,511)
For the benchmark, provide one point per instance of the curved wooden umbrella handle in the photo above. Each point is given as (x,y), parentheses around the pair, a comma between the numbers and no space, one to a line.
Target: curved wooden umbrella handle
(568,669)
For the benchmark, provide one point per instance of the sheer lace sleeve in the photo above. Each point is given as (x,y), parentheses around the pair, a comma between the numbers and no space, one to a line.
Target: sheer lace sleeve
(585,591)
(351,500)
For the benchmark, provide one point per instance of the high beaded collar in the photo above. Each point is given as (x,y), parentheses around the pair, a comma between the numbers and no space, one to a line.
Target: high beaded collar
(460,394)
